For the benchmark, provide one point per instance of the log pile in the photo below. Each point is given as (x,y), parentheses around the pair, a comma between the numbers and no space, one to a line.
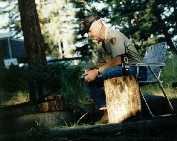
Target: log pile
(52,104)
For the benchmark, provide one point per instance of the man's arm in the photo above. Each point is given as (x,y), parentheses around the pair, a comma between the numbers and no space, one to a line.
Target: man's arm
(111,63)
(91,75)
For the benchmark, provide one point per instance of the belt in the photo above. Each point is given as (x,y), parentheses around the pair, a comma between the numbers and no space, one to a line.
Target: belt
(124,59)
(125,65)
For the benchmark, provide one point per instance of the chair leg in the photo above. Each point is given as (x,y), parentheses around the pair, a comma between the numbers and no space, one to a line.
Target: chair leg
(150,112)
(164,93)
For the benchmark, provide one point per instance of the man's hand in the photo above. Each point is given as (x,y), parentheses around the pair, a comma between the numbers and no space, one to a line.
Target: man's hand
(91,75)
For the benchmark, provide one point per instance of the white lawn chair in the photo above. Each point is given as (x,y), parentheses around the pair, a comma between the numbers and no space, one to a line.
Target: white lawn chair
(149,71)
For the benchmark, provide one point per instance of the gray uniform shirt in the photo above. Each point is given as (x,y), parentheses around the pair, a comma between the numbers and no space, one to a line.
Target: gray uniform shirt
(117,44)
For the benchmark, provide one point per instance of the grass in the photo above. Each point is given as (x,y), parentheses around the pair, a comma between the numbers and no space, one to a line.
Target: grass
(7,98)
(21,97)
(155,90)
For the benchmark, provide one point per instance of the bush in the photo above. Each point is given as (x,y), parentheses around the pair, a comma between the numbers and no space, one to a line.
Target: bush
(169,74)
(12,79)
(54,79)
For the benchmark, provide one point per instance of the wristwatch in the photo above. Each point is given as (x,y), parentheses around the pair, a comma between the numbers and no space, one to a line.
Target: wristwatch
(98,71)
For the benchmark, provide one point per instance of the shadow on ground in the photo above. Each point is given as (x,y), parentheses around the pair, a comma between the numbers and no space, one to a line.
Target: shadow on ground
(24,122)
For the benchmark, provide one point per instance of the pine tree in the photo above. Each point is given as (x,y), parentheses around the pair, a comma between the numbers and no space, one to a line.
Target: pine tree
(86,8)
(57,24)
(146,22)
(11,11)
(33,39)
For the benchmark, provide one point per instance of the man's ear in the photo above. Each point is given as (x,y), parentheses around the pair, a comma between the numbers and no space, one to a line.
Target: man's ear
(101,22)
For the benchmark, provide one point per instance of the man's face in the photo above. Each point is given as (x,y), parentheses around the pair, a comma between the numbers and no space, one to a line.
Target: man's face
(95,31)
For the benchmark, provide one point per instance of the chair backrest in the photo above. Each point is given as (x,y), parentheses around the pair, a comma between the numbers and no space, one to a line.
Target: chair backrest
(155,54)
(155,58)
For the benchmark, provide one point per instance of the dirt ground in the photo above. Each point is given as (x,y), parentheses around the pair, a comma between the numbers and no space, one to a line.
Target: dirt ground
(162,128)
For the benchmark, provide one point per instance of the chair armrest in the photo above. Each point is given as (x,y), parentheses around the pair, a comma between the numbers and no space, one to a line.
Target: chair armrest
(151,65)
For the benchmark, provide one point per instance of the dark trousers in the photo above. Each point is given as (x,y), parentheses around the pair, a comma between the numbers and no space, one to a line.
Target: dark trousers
(96,92)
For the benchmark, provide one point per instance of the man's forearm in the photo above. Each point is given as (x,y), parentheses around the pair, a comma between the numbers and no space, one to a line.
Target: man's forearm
(111,63)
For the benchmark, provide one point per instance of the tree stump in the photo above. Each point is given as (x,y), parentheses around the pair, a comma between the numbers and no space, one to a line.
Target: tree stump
(122,98)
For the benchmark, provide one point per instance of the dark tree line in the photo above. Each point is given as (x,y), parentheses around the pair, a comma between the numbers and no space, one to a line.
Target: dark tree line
(145,21)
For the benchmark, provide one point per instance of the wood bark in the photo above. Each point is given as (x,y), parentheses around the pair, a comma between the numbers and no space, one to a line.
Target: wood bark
(122,98)
(33,39)
(33,42)
(1,57)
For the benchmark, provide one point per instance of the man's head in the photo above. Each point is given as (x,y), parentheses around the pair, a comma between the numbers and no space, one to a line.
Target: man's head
(94,27)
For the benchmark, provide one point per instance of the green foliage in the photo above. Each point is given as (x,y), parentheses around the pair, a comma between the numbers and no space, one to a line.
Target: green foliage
(56,79)
(13,25)
(143,21)
(72,87)
(61,79)
(12,79)
(169,74)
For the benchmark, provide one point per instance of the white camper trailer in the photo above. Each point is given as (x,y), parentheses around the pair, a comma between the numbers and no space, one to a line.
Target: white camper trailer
(11,50)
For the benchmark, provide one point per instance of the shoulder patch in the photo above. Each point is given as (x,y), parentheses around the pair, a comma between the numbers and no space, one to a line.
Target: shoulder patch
(113,40)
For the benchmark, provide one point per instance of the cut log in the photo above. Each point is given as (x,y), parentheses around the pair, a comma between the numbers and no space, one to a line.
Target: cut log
(122,98)
(157,129)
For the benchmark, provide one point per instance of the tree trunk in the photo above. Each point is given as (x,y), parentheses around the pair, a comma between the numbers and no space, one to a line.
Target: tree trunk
(1,57)
(122,98)
(33,40)
(164,29)
(175,14)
